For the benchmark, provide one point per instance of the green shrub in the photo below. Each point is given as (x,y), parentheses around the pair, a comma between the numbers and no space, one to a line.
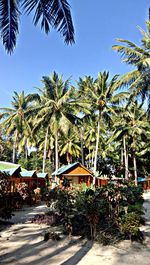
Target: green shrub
(51,235)
(107,213)
(130,224)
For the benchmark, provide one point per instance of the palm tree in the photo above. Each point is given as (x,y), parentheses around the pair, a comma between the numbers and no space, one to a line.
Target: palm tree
(58,107)
(50,13)
(132,126)
(69,144)
(45,142)
(103,97)
(16,121)
(119,135)
(5,146)
(138,80)
(90,131)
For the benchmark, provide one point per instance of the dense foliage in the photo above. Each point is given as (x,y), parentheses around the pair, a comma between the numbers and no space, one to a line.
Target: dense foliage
(108,213)
(22,189)
(49,125)
(94,121)
(5,206)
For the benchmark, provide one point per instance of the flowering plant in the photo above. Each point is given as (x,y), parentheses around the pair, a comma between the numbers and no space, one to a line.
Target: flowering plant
(37,191)
(3,184)
(22,189)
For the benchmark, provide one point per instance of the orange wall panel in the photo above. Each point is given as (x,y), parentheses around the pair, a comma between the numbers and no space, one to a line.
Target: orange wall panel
(78,171)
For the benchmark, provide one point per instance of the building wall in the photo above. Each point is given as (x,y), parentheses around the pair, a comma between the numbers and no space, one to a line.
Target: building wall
(78,179)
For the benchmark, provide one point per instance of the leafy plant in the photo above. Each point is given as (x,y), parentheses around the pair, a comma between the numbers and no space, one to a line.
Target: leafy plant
(108,213)
(51,235)
(22,189)
(48,219)
(130,226)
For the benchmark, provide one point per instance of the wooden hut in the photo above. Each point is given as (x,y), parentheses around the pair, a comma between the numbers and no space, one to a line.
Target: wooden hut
(30,178)
(144,182)
(101,181)
(42,180)
(148,182)
(13,177)
(75,173)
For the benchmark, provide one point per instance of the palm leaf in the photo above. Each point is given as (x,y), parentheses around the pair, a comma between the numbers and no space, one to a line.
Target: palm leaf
(130,56)
(9,23)
(55,13)
(128,78)
(133,46)
(60,11)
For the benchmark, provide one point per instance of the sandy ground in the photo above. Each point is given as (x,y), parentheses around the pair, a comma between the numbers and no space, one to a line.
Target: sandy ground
(22,243)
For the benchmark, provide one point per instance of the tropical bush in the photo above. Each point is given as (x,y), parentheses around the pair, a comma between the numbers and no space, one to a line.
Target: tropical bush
(5,206)
(130,226)
(105,214)
(22,189)
(48,219)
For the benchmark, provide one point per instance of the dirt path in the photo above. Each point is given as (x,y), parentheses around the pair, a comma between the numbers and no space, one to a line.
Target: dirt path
(22,243)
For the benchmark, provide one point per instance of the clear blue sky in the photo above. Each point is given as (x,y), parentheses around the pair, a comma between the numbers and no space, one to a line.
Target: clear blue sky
(97,24)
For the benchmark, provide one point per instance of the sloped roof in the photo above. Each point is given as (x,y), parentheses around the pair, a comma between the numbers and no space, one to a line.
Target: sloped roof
(63,169)
(42,175)
(28,174)
(8,165)
(10,171)
(141,179)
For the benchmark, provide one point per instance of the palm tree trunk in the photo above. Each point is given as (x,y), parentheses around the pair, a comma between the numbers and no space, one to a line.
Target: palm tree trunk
(125,157)
(26,149)
(49,156)
(96,149)
(56,155)
(122,160)
(82,150)
(121,157)
(89,159)
(45,145)
(14,147)
(93,152)
(134,163)
(68,158)
(135,169)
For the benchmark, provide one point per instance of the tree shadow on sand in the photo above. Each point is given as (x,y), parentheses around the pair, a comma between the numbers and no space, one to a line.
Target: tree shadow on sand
(79,254)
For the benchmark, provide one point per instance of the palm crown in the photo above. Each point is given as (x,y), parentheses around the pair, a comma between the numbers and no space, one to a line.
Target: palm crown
(138,56)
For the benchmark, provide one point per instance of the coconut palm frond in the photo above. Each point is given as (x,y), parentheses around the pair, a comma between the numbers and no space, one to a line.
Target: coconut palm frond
(118,98)
(32,97)
(52,13)
(129,55)
(60,10)
(133,46)
(42,13)
(7,110)
(129,78)
(9,23)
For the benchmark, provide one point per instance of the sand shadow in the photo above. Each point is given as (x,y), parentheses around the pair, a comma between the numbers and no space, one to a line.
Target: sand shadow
(79,254)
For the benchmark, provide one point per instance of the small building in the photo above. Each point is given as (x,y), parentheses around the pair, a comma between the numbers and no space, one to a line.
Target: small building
(30,178)
(34,179)
(144,182)
(42,180)
(148,181)
(76,173)
(13,172)
(16,174)
(101,181)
